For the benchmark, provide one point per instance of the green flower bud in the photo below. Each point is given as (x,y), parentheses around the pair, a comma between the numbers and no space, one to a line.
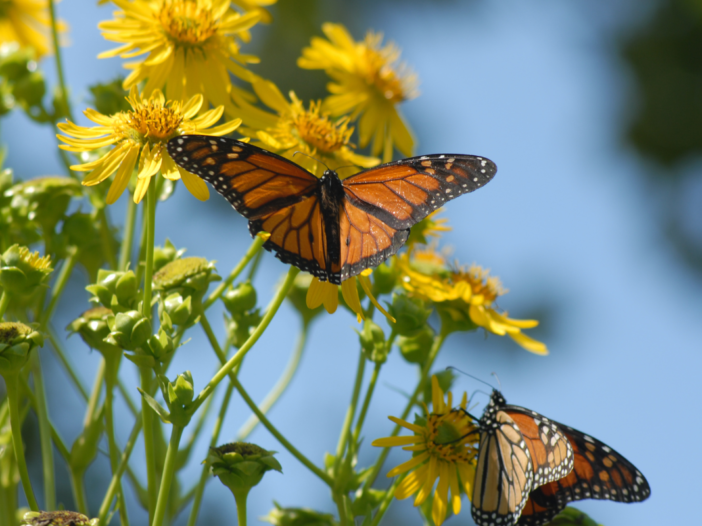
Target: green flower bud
(240,466)
(455,317)
(21,271)
(385,279)
(166,253)
(30,89)
(160,345)
(57,518)
(241,298)
(193,274)
(280,516)
(240,326)
(372,341)
(17,341)
(85,448)
(410,313)
(44,199)
(115,290)
(415,349)
(182,389)
(572,517)
(93,328)
(179,310)
(129,330)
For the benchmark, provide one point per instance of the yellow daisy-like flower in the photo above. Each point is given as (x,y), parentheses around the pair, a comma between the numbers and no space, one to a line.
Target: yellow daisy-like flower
(294,128)
(444,446)
(258,6)
(367,83)
(141,135)
(466,294)
(327,294)
(191,44)
(27,22)
(430,226)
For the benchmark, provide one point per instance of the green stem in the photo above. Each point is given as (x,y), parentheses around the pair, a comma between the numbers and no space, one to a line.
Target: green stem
(4,302)
(61,281)
(58,349)
(273,431)
(387,500)
(47,451)
(433,353)
(200,489)
(149,257)
(57,56)
(78,489)
(106,237)
(279,388)
(350,412)
(250,253)
(168,474)
(125,253)
(147,417)
(114,484)
(11,385)
(241,497)
(366,402)
(249,343)
(94,400)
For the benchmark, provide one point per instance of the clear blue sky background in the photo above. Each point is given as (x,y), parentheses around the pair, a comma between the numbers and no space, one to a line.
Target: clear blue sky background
(569,224)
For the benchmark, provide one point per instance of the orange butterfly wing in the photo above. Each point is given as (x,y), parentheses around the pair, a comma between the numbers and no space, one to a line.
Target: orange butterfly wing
(599,472)
(254,181)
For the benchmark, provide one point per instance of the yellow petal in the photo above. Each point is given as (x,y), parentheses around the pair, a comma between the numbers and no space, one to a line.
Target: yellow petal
(410,464)
(123,175)
(529,344)
(397,441)
(411,483)
(412,427)
(455,490)
(440,504)
(425,491)
(270,95)
(315,294)
(437,396)
(350,294)
(194,184)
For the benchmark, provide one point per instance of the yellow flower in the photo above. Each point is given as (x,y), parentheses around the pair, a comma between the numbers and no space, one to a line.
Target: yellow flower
(430,226)
(257,6)
(296,129)
(141,135)
(444,446)
(327,294)
(191,47)
(27,22)
(461,293)
(367,83)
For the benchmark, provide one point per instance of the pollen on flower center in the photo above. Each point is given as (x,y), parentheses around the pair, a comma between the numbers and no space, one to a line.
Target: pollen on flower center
(478,278)
(449,437)
(150,120)
(318,130)
(186,22)
(395,85)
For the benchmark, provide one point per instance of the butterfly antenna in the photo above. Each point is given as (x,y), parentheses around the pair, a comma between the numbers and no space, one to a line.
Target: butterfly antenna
(313,158)
(497,378)
(451,367)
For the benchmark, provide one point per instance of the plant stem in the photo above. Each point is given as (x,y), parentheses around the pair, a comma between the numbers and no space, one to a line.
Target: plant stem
(366,402)
(106,237)
(147,417)
(200,489)
(273,431)
(168,474)
(125,253)
(11,385)
(240,497)
(387,500)
(350,412)
(250,253)
(78,489)
(47,451)
(280,386)
(149,257)
(59,285)
(253,338)
(57,56)
(4,302)
(112,489)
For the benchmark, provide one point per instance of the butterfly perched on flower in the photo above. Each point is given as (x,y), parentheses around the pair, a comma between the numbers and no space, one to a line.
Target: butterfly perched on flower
(530,467)
(332,228)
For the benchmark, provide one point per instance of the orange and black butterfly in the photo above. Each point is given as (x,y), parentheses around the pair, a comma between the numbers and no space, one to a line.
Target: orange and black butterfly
(331,228)
(530,467)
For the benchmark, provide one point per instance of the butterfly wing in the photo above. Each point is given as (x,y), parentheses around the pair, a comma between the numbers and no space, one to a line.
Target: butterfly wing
(598,472)
(504,475)
(404,192)
(257,183)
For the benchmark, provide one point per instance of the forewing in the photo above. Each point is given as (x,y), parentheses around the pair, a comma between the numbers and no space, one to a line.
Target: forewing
(598,472)
(366,241)
(297,236)
(254,181)
(504,475)
(404,192)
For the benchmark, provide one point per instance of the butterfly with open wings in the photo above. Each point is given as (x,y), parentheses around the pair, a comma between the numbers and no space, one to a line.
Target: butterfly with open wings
(332,228)
(530,467)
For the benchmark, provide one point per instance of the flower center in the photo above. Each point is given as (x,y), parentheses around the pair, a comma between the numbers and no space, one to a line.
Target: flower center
(393,85)
(150,120)
(318,130)
(450,438)
(481,283)
(187,22)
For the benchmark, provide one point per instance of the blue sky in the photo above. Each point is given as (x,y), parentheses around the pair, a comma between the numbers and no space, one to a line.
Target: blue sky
(569,224)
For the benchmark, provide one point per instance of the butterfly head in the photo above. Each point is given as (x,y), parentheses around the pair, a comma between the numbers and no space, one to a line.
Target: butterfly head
(497,402)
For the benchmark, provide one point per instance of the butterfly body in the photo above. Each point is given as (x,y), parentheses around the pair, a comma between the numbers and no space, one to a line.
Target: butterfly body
(331,228)
(529,468)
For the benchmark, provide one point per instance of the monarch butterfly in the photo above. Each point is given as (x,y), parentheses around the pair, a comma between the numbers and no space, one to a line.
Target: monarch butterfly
(330,228)
(530,467)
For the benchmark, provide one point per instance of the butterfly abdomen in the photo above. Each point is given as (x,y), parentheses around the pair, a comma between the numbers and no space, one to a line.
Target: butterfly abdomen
(330,201)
